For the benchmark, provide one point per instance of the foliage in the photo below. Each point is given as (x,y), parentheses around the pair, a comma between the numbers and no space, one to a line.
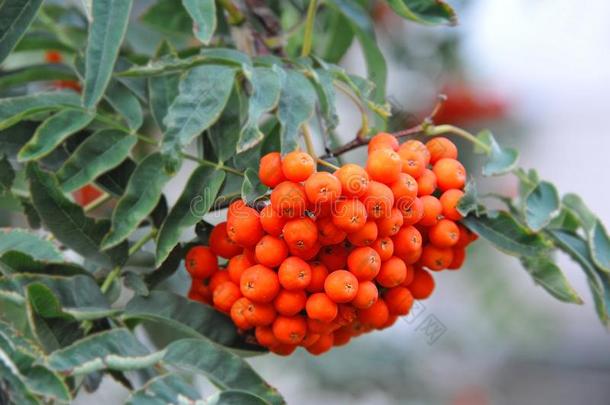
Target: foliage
(226,77)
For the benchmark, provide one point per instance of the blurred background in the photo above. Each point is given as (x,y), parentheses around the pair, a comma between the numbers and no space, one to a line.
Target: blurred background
(536,74)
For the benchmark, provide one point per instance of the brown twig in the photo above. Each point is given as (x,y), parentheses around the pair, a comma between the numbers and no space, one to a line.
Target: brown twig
(361,141)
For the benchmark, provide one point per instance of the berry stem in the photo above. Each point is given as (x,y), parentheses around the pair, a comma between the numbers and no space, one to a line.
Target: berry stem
(327,164)
(309,21)
(309,141)
(432,130)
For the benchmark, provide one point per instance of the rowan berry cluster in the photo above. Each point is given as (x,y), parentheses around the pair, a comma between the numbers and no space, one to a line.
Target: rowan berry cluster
(335,255)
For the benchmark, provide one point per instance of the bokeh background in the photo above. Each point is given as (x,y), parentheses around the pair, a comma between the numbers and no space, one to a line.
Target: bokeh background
(536,73)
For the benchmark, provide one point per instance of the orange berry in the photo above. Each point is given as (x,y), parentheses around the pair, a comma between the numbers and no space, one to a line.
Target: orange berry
(413,161)
(290,302)
(318,276)
(217,279)
(300,234)
(364,263)
(341,286)
(306,254)
(384,165)
(404,189)
(384,247)
(334,257)
(259,283)
(436,258)
(271,221)
(270,169)
(407,240)
(422,285)
(426,183)
(444,234)
(294,273)
(199,292)
(449,174)
(271,251)
(260,313)
(391,224)
(354,180)
(250,253)
(309,339)
(200,262)
(366,296)
(392,273)
(288,199)
(319,327)
(409,278)
(53,57)
(391,321)
(412,211)
(342,336)
(265,337)
(378,200)
(238,313)
(350,215)
(412,257)
(449,201)
(399,300)
(466,237)
(459,255)
(441,147)
(347,314)
(329,233)
(322,188)
(322,345)
(320,307)
(282,349)
(364,236)
(374,316)
(289,330)
(432,209)
(244,226)
(298,166)
(237,265)
(417,146)
(225,296)
(383,140)
(220,243)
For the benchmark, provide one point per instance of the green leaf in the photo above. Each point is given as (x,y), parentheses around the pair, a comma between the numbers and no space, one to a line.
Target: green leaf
(115,181)
(469,203)
(337,39)
(224,134)
(424,11)
(296,107)
(68,222)
(168,16)
(541,206)
(141,196)
(15,18)
(363,27)
(180,314)
(16,391)
(546,273)
(252,188)
(506,234)
(125,103)
(325,87)
(235,397)
(35,73)
(577,206)
(166,269)
(53,131)
(116,349)
(600,246)
(14,262)
(196,199)
(599,283)
(15,109)
(108,26)
(162,91)
(266,85)
(47,384)
(164,389)
(500,160)
(7,174)
(30,213)
(99,153)
(135,282)
(225,369)
(203,13)
(78,296)
(203,94)
(21,240)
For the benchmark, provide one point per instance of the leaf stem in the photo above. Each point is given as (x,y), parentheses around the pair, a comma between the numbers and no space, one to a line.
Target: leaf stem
(433,130)
(308,35)
(109,279)
(236,17)
(309,141)
(208,163)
